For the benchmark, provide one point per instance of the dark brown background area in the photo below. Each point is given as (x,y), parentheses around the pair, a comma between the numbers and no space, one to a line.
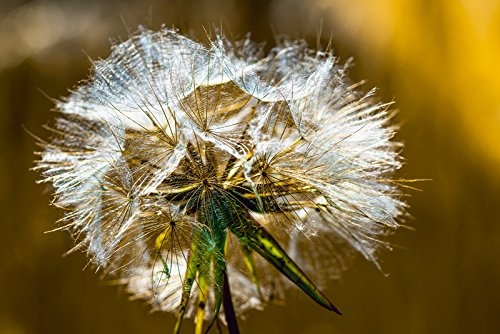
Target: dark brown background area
(436,59)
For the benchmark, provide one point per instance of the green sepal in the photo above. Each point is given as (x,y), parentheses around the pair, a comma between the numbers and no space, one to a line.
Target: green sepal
(251,234)
(219,269)
(191,270)
(250,264)
(216,213)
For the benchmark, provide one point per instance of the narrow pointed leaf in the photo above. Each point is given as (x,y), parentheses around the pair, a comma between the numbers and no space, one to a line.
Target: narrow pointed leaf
(192,268)
(250,263)
(256,237)
(216,215)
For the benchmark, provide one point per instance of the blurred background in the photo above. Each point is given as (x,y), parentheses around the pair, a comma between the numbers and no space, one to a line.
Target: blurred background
(437,59)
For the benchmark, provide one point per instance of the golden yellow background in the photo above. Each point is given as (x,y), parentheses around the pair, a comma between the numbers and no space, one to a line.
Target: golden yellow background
(437,59)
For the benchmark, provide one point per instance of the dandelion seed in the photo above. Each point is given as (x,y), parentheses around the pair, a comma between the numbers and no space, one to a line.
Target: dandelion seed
(185,170)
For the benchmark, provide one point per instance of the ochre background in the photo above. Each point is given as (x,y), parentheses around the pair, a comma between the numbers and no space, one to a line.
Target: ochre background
(438,59)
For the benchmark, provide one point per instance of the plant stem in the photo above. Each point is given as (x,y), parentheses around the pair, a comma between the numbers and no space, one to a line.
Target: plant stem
(227,303)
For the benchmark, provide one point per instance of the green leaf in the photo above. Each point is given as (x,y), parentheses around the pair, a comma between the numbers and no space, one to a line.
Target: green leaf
(251,234)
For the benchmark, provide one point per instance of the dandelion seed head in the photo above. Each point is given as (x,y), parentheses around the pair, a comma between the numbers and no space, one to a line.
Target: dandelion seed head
(179,164)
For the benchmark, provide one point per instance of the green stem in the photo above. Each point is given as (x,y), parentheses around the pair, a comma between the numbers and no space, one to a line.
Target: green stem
(232,323)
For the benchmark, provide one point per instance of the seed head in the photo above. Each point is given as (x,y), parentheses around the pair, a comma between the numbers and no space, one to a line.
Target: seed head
(185,170)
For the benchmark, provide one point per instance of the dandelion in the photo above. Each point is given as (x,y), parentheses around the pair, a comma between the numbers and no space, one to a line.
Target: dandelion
(196,175)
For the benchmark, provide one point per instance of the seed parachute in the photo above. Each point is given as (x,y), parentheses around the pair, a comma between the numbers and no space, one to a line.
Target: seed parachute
(207,179)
